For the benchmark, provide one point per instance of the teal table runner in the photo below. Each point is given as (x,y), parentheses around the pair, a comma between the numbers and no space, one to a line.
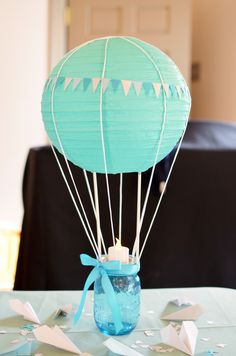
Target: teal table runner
(218,323)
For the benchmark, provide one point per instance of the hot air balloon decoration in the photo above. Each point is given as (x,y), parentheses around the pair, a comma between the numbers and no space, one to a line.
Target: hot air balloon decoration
(114,105)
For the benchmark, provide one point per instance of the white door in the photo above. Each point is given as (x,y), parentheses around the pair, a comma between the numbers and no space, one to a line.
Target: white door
(164,23)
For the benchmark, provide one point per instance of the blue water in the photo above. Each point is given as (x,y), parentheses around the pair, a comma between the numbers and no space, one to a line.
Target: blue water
(127,289)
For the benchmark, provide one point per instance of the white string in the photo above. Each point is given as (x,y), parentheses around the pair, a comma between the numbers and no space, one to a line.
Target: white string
(94,210)
(162,193)
(120,206)
(103,144)
(89,190)
(139,192)
(95,185)
(59,140)
(160,139)
(92,242)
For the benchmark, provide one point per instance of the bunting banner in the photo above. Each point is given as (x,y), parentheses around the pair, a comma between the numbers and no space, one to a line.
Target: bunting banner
(69,83)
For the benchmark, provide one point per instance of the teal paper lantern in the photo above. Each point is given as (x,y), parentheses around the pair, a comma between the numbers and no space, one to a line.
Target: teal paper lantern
(131,107)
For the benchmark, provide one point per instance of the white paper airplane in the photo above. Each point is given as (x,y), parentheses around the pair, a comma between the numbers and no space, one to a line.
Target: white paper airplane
(57,338)
(190,313)
(119,348)
(184,341)
(24,309)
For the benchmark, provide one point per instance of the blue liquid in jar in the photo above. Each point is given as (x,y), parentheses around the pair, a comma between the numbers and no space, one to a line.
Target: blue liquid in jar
(127,290)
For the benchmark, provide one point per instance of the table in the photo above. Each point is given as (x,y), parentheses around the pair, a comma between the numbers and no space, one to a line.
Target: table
(218,323)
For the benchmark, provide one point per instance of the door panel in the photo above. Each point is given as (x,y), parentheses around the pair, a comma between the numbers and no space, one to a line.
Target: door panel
(164,23)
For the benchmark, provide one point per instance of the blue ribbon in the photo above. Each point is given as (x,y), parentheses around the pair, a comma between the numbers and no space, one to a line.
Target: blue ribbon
(103,270)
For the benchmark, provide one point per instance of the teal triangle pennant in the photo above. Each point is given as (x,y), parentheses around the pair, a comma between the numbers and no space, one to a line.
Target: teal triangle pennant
(115,84)
(86,82)
(147,86)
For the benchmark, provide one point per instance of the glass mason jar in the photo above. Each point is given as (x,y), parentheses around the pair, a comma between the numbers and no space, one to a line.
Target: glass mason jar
(127,292)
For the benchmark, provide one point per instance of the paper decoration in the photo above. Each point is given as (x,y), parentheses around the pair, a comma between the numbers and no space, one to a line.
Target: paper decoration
(67,82)
(147,87)
(76,82)
(179,90)
(182,301)
(166,89)
(221,346)
(86,82)
(54,81)
(56,337)
(157,88)
(137,87)
(161,349)
(190,313)
(24,309)
(115,84)
(95,82)
(204,339)
(105,83)
(126,86)
(184,341)
(130,102)
(119,348)
(148,333)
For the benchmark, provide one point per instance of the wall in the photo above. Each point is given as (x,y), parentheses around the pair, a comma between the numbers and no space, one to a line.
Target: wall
(23,70)
(214,47)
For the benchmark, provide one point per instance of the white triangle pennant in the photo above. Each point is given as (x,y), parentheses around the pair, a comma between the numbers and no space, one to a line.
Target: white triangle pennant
(105,82)
(67,82)
(157,88)
(137,87)
(126,86)
(95,82)
(76,82)
(166,89)
(54,80)
(178,90)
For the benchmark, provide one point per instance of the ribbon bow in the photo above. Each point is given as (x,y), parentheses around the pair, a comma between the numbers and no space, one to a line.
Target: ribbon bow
(103,270)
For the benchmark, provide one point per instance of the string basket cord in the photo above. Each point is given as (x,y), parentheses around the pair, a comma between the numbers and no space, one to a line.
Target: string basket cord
(102,139)
(136,246)
(66,58)
(99,239)
(162,193)
(92,241)
(95,210)
(159,142)
(105,157)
